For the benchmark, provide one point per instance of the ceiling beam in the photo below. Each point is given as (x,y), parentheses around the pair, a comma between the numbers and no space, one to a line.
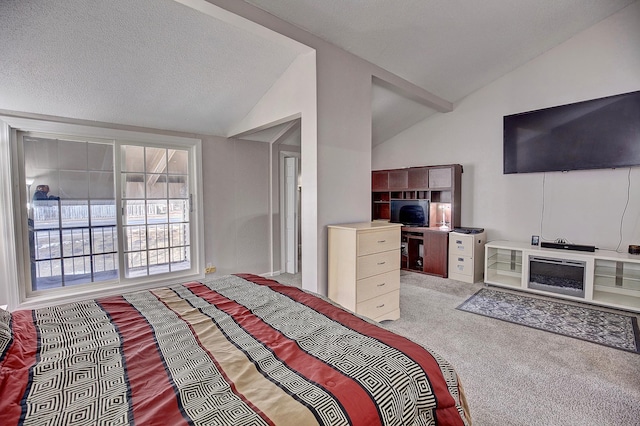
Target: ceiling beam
(391,81)
(409,90)
(286,131)
(278,122)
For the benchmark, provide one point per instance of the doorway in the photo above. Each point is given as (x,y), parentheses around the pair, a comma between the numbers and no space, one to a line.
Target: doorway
(285,229)
(290,202)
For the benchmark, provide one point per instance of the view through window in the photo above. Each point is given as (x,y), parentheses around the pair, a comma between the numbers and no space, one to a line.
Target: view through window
(72,217)
(155,197)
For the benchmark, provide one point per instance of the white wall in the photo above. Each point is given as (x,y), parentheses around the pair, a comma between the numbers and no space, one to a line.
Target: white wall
(294,95)
(344,147)
(8,258)
(336,144)
(584,207)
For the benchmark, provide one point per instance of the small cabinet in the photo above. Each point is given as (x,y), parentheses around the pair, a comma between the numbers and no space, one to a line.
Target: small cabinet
(440,177)
(466,256)
(503,266)
(419,177)
(380,180)
(436,245)
(364,268)
(617,281)
(398,179)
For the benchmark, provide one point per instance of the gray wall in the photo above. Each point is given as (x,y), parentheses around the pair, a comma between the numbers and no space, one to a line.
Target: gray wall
(236,205)
(344,146)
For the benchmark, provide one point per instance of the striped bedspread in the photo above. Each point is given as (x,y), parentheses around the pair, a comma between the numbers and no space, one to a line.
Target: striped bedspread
(235,350)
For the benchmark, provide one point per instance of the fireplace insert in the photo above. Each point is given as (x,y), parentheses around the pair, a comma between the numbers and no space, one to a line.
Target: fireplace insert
(562,276)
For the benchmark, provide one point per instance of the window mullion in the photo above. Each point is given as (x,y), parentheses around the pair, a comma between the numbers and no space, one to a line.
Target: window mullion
(120,229)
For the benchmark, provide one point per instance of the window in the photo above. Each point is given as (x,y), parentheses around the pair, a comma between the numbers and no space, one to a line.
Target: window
(71,215)
(106,213)
(156,206)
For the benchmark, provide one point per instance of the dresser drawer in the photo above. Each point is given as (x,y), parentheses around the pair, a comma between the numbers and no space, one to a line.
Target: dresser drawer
(378,306)
(376,285)
(460,245)
(375,242)
(378,263)
(462,265)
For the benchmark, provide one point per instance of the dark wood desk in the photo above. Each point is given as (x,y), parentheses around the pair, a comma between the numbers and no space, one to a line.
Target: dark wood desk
(425,250)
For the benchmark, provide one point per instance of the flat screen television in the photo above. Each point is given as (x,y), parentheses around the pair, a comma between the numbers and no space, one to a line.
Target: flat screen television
(597,134)
(410,212)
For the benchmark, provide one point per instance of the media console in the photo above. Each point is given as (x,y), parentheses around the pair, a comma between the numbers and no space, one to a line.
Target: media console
(603,277)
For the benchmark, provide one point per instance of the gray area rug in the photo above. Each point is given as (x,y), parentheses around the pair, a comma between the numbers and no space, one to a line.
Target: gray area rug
(606,328)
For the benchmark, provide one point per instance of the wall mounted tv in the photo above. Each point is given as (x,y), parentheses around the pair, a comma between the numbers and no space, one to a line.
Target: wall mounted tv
(597,134)
(410,212)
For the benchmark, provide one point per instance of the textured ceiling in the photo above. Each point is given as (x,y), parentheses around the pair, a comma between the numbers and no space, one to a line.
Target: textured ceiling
(449,47)
(161,64)
(152,63)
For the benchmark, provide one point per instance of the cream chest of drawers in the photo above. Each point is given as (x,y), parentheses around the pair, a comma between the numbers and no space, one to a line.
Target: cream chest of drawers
(466,256)
(364,268)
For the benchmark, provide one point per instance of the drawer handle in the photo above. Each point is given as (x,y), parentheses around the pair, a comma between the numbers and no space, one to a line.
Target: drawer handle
(382,241)
(381,285)
(381,263)
(460,259)
(458,242)
(380,306)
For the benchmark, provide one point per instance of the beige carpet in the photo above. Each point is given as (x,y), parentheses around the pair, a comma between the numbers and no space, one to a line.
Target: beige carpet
(515,375)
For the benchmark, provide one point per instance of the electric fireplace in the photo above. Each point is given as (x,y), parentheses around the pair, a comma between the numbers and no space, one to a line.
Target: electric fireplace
(560,276)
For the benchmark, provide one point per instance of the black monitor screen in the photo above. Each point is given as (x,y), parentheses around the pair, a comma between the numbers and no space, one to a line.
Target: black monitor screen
(597,134)
(410,212)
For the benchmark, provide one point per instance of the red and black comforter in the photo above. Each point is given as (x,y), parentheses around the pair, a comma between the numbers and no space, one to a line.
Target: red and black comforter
(237,350)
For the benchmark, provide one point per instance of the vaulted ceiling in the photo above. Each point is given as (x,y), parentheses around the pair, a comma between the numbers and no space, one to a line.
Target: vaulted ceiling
(150,63)
(162,64)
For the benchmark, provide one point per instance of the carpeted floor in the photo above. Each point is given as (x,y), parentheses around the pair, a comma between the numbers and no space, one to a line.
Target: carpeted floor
(515,375)
(617,330)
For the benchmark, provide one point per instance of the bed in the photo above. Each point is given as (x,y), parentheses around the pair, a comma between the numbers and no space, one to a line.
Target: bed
(234,350)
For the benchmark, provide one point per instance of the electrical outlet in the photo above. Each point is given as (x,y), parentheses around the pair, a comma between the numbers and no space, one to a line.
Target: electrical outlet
(209,269)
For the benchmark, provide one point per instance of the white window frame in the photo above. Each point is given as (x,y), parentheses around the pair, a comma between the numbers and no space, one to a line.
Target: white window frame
(18,293)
